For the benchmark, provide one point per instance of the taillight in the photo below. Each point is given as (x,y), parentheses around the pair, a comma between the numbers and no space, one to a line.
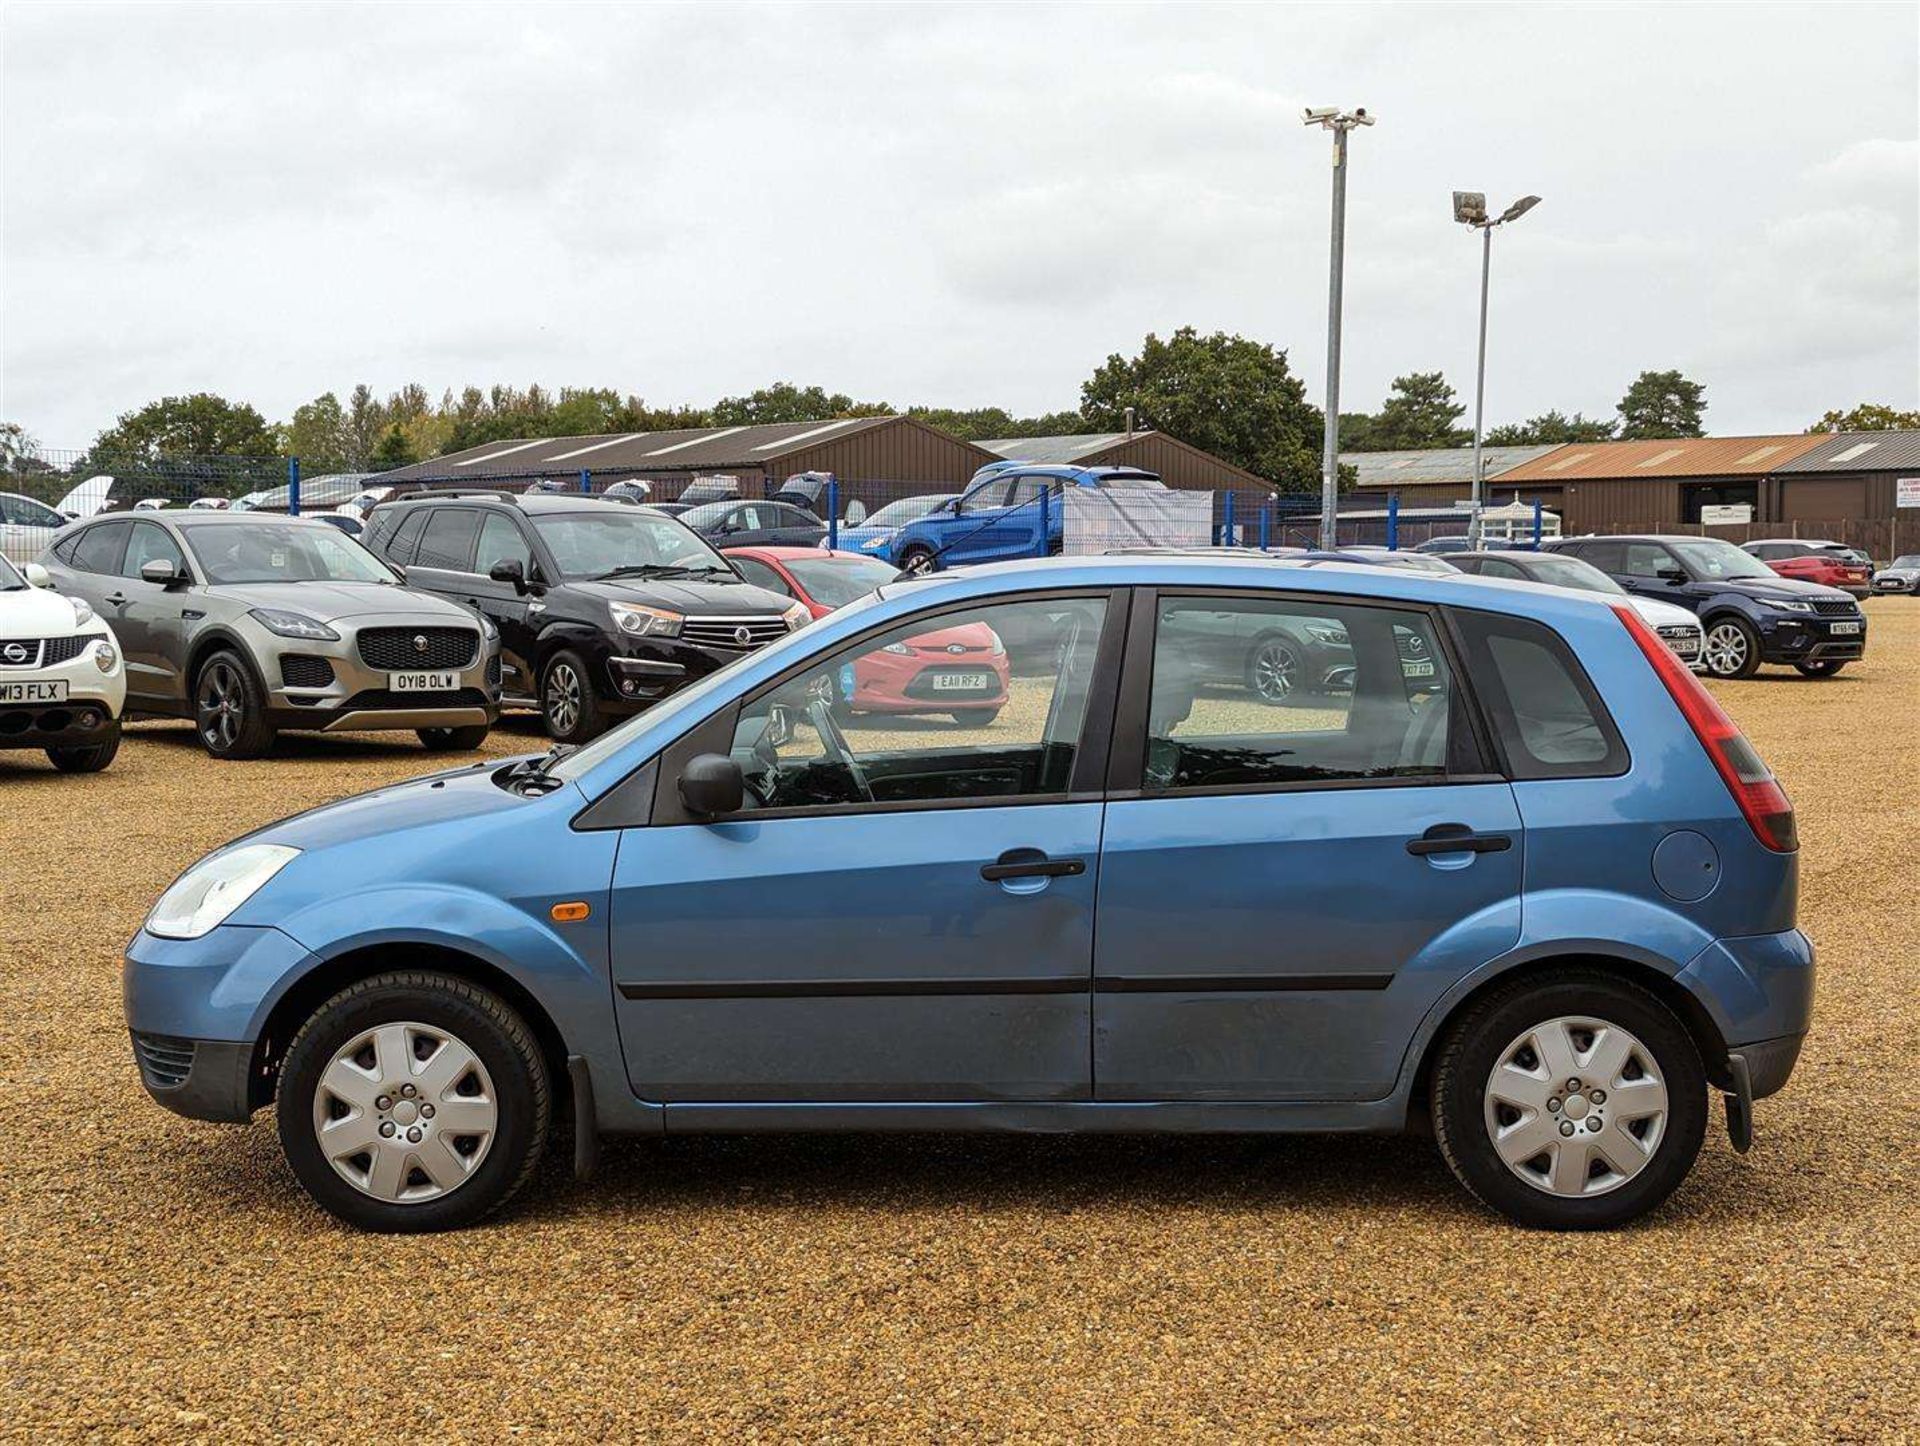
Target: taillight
(1761,798)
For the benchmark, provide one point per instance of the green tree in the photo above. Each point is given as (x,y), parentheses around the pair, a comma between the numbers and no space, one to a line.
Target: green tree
(1662,404)
(319,436)
(1868,417)
(784,402)
(1224,394)
(393,451)
(980,424)
(201,425)
(1419,412)
(1552,427)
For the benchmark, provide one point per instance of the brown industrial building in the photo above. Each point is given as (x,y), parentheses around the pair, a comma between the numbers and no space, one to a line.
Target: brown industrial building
(898,454)
(1620,486)
(1177,464)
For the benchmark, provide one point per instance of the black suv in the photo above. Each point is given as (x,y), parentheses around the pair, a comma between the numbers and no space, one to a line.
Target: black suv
(603,607)
(1749,613)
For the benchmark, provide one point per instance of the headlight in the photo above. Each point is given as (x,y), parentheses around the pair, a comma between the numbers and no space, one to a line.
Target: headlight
(294,625)
(1790,605)
(797,617)
(82,611)
(645,622)
(212,889)
(1329,635)
(873,544)
(999,648)
(901,648)
(105,658)
(487,629)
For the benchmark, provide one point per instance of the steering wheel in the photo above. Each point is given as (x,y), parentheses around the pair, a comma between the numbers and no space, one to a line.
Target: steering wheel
(820,713)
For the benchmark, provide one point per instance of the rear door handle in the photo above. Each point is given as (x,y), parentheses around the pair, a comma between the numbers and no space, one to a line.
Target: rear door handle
(1457,838)
(1030,864)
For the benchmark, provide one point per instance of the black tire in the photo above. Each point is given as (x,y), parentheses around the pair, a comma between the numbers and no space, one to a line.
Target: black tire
(1474,1044)
(87,757)
(1275,670)
(480,1019)
(919,558)
(1820,667)
(975,717)
(453,740)
(570,711)
(243,730)
(1748,648)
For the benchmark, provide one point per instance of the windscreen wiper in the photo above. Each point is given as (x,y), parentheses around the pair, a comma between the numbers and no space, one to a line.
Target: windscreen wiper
(643,569)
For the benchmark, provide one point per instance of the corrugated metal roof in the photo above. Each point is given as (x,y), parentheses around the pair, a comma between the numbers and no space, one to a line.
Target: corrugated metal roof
(1861,452)
(1057,451)
(1440,465)
(687,447)
(1665,457)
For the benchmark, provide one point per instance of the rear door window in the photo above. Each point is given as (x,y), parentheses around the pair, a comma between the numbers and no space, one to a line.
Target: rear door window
(448,541)
(1609,557)
(99,548)
(1545,711)
(407,536)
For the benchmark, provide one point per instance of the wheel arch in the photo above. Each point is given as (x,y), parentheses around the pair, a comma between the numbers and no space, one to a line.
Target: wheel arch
(328,978)
(1691,1013)
(218,638)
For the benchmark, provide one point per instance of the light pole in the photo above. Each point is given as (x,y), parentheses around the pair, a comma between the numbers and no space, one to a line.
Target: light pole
(1339,122)
(1470,209)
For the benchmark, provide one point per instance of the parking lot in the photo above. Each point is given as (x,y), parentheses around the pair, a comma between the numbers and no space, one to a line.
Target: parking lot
(159,1276)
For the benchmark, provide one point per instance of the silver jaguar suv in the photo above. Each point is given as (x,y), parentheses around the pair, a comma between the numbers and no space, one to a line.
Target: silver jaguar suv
(250,624)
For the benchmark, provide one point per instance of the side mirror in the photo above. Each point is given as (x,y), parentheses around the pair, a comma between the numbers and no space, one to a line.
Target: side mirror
(510,569)
(36,575)
(1673,575)
(159,572)
(711,785)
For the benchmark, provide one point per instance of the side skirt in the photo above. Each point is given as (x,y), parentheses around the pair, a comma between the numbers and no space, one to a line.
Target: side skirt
(1387,1116)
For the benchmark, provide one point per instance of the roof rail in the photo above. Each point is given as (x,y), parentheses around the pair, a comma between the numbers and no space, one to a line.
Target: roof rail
(437,493)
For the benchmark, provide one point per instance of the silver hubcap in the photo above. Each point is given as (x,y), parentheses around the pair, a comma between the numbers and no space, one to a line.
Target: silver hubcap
(1726,648)
(1275,671)
(921,562)
(563,698)
(405,1113)
(222,705)
(1576,1107)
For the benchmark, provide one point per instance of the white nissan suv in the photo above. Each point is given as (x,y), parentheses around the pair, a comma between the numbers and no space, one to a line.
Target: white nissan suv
(62,684)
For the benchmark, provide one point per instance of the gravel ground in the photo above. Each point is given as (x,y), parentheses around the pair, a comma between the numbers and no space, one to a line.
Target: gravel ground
(165,1278)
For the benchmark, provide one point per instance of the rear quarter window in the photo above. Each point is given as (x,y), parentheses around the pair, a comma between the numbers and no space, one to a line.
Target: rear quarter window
(1546,714)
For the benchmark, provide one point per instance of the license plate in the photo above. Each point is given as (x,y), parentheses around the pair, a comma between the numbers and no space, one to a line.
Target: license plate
(961,682)
(1844,630)
(1416,670)
(1685,647)
(423,682)
(23,692)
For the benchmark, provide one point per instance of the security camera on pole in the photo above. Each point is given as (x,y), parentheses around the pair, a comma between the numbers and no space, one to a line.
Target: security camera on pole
(1339,122)
(1470,209)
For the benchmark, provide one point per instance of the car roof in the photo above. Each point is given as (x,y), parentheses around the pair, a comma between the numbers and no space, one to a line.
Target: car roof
(206,517)
(795,554)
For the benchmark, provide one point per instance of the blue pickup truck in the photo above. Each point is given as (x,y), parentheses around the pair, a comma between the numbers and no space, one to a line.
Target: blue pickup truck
(1007,511)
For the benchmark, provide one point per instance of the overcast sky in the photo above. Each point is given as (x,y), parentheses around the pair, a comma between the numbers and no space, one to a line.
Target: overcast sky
(959,206)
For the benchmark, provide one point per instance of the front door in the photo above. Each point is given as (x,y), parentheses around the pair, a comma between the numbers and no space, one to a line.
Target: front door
(1291,877)
(903,909)
(148,618)
(502,540)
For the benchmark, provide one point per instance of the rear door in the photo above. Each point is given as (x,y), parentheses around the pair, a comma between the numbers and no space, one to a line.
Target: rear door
(1290,880)
(443,559)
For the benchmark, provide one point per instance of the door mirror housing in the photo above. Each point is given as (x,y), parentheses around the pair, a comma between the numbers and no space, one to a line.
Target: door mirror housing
(510,570)
(36,575)
(1674,575)
(712,785)
(160,572)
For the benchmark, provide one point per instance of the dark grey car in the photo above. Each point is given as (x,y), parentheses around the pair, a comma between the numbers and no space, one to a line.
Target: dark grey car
(249,624)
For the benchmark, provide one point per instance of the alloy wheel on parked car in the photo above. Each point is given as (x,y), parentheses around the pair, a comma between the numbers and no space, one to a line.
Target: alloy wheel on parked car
(1730,649)
(1273,671)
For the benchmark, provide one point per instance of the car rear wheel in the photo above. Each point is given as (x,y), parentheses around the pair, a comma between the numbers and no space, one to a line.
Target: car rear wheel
(918,559)
(87,757)
(229,709)
(1570,1101)
(1731,648)
(1821,667)
(567,703)
(413,1101)
(453,740)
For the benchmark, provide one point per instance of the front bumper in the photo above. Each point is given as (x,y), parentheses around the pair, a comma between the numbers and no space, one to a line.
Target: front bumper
(329,687)
(1812,639)
(1884,584)
(93,701)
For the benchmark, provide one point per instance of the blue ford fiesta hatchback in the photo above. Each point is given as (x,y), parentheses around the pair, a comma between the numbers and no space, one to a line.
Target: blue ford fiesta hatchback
(1541,894)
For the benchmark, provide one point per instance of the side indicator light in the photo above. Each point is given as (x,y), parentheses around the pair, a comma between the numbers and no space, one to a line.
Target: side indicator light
(571,912)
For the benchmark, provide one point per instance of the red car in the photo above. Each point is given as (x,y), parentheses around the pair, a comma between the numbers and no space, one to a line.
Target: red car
(1831,564)
(961,671)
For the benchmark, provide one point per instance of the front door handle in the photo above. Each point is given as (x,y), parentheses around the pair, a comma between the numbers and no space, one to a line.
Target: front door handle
(1030,864)
(1458,838)
(117,598)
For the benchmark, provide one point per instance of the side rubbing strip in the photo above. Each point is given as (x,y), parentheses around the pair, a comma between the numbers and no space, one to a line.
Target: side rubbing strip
(1234,983)
(844,988)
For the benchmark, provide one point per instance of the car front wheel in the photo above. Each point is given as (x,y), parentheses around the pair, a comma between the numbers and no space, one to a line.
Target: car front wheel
(918,559)
(87,757)
(1731,648)
(568,705)
(1570,1101)
(413,1101)
(229,709)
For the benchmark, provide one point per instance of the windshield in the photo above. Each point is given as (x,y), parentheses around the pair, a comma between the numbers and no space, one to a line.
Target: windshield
(1713,558)
(1133,482)
(613,539)
(1911,559)
(899,514)
(282,552)
(836,581)
(9,579)
(1572,572)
